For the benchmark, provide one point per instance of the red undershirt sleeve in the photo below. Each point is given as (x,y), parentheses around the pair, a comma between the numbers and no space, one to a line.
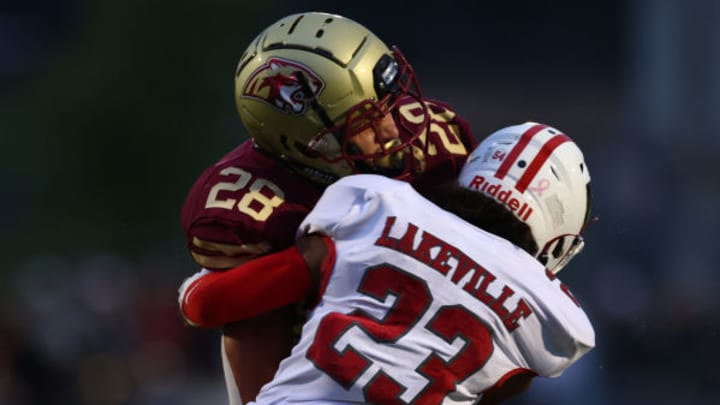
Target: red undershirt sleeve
(247,290)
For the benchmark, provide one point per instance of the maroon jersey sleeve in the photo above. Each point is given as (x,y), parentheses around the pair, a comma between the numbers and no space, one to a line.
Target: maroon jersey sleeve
(246,204)
(445,143)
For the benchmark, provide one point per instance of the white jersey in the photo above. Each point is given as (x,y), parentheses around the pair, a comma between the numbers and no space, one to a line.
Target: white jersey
(422,307)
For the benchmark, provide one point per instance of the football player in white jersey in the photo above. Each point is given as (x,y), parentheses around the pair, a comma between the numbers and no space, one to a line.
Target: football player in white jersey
(448,298)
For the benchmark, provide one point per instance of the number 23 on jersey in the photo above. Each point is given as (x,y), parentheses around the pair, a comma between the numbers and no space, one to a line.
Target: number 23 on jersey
(344,360)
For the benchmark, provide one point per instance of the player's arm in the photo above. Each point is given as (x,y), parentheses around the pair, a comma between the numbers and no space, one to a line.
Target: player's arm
(217,257)
(255,287)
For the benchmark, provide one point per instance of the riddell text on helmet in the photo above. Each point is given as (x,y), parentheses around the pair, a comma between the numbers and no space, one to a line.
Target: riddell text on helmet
(503,195)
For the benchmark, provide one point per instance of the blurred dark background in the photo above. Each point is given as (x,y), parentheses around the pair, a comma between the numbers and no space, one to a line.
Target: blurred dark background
(110,109)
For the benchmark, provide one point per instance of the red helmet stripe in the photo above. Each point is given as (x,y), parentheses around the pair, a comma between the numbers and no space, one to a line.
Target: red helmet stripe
(540,160)
(517,150)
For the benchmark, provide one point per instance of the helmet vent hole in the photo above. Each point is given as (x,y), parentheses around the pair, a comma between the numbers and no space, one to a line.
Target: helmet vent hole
(558,249)
(328,20)
(283,141)
(295,23)
(582,167)
(319,33)
(521,163)
(552,169)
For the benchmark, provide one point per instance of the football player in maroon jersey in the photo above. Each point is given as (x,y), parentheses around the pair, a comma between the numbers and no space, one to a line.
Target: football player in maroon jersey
(321,97)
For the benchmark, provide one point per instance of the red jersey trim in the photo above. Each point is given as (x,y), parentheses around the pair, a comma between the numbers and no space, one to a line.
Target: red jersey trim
(539,161)
(327,266)
(517,150)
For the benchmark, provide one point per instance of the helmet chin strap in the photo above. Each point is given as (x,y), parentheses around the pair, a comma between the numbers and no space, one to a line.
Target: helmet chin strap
(394,162)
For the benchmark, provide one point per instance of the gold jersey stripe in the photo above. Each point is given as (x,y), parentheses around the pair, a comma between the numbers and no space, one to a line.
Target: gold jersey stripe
(232,250)
(220,262)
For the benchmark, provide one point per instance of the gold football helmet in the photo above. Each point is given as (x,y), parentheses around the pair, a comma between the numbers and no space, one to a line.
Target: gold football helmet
(310,81)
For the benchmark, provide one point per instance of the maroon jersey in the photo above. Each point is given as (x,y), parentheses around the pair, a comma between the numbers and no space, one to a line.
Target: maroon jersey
(445,142)
(251,203)
(247,203)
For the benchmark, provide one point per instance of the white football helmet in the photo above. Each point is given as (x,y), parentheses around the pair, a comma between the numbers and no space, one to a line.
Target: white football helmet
(540,175)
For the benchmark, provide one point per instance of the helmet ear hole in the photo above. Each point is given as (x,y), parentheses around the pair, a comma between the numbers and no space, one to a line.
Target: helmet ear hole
(558,249)
(552,169)
(283,141)
(543,258)
(295,147)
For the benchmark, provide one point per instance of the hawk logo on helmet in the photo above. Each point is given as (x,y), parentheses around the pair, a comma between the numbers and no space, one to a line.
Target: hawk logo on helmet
(278,83)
